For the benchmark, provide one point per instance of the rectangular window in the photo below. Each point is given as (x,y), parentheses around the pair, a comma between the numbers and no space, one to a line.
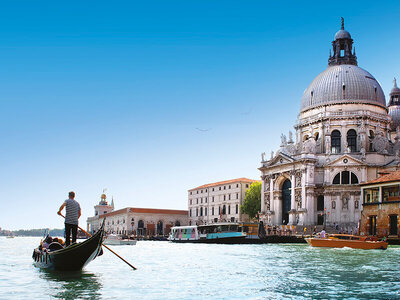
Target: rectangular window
(390,193)
(229,196)
(237,185)
(237,195)
(219,188)
(237,208)
(229,186)
(205,211)
(205,199)
(213,199)
(371,195)
(197,201)
(212,211)
(247,186)
(224,187)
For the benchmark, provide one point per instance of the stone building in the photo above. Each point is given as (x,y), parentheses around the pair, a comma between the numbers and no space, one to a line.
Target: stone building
(218,201)
(344,135)
(381,210)
(133,220)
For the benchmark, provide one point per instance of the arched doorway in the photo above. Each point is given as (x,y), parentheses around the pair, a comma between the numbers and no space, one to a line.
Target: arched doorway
(286,199)
(141,227)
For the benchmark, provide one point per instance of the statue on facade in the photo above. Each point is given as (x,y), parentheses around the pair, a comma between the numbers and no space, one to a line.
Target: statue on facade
(272,154)
(283,140)
(263,157)
(290,137)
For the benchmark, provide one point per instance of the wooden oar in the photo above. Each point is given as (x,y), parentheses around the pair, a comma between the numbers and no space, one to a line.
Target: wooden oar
(106,247)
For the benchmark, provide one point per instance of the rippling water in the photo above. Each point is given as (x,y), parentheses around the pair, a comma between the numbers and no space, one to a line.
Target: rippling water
(198,271)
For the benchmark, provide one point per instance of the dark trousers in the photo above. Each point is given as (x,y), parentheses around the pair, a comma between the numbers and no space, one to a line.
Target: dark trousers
(70,228)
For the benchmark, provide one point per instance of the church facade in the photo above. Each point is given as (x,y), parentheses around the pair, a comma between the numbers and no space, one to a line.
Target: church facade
(345,135)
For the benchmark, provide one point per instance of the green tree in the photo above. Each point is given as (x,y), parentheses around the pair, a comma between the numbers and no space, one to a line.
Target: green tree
(252,200)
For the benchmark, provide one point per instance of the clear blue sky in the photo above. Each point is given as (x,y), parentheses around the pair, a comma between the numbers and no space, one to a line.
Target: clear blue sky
(101,94)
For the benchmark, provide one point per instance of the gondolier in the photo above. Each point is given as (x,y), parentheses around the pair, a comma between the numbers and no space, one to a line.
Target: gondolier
(72,215)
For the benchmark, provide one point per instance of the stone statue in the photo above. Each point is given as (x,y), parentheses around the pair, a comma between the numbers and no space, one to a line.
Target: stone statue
(262,156)
(283,140)
(272,154)
(362,151)
(290,137)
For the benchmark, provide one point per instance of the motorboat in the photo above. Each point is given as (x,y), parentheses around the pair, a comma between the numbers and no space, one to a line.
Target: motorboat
(347,240)
(113,239)
(218,233)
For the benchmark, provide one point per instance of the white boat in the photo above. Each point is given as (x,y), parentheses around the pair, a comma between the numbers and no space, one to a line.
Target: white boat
(113,239)
(218,233)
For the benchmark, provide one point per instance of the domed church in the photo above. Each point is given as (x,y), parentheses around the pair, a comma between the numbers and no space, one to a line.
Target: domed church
(345,135)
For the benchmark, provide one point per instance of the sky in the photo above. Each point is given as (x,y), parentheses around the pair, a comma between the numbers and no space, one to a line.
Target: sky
(148,99)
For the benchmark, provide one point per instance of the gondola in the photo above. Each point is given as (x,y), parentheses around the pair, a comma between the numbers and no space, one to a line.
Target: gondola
(71,258)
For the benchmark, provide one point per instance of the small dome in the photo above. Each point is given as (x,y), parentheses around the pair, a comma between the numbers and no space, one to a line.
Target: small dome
(342,34)
(343,84)
(394,113)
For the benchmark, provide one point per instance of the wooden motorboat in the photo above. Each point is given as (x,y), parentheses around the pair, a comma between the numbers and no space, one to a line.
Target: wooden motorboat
(71,258)
(347,240)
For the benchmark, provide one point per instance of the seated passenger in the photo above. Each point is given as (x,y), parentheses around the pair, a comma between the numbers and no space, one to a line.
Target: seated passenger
(323,234)
(47,242)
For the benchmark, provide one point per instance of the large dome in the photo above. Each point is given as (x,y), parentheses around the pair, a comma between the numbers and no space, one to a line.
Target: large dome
(343,84)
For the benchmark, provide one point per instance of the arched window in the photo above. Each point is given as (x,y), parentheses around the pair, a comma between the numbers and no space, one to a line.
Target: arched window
(345,177)
(177,223)
(229,209)
(352,140)
(335,141)
(336,180)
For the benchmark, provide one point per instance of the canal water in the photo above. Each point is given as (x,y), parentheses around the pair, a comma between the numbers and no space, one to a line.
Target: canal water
(199,271)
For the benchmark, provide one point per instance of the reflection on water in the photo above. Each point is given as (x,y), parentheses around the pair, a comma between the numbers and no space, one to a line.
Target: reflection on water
(72,285)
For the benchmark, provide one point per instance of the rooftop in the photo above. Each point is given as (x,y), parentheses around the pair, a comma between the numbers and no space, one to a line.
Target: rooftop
(245,180)
(391,177)
(145,211)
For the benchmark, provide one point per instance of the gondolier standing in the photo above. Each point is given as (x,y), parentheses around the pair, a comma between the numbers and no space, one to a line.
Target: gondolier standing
(72,214)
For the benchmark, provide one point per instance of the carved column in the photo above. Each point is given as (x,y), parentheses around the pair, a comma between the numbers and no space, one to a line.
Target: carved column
(292,214)
(271,194)
(263,195)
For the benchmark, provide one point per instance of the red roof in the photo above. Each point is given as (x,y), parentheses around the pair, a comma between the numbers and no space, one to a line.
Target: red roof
(146,211)
(246,180)
(391,177)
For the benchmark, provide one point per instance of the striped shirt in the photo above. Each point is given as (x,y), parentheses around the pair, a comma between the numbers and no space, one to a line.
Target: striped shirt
(72,209)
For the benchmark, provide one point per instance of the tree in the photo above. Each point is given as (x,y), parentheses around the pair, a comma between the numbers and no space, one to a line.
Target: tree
(252,200)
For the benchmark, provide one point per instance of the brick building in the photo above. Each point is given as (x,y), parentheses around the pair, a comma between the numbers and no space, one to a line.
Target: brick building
(381,205)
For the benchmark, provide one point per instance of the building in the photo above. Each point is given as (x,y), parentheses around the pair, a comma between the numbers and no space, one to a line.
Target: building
(218,201)
(133,220)
(381,209)
(345,135)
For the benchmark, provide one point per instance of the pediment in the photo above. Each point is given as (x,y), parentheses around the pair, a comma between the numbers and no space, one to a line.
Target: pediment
(280,159)
(345,160)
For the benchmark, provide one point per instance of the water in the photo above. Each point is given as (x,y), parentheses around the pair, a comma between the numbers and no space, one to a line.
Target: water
(199,271)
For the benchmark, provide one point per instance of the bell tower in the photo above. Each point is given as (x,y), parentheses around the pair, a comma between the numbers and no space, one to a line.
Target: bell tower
(343,52)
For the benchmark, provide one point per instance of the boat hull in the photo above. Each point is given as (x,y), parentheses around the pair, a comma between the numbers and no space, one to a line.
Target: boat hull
(72,258)
(119,242)
(226,240)
(355,244)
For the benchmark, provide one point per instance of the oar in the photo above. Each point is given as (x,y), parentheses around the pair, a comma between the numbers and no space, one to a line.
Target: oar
(106,247)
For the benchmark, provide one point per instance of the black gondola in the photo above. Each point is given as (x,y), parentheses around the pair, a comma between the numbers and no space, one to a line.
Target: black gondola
(71,258)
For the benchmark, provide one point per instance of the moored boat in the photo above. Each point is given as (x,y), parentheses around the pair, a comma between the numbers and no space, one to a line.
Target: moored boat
(71,258)
(347,240)
(219,233)
(113,239)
